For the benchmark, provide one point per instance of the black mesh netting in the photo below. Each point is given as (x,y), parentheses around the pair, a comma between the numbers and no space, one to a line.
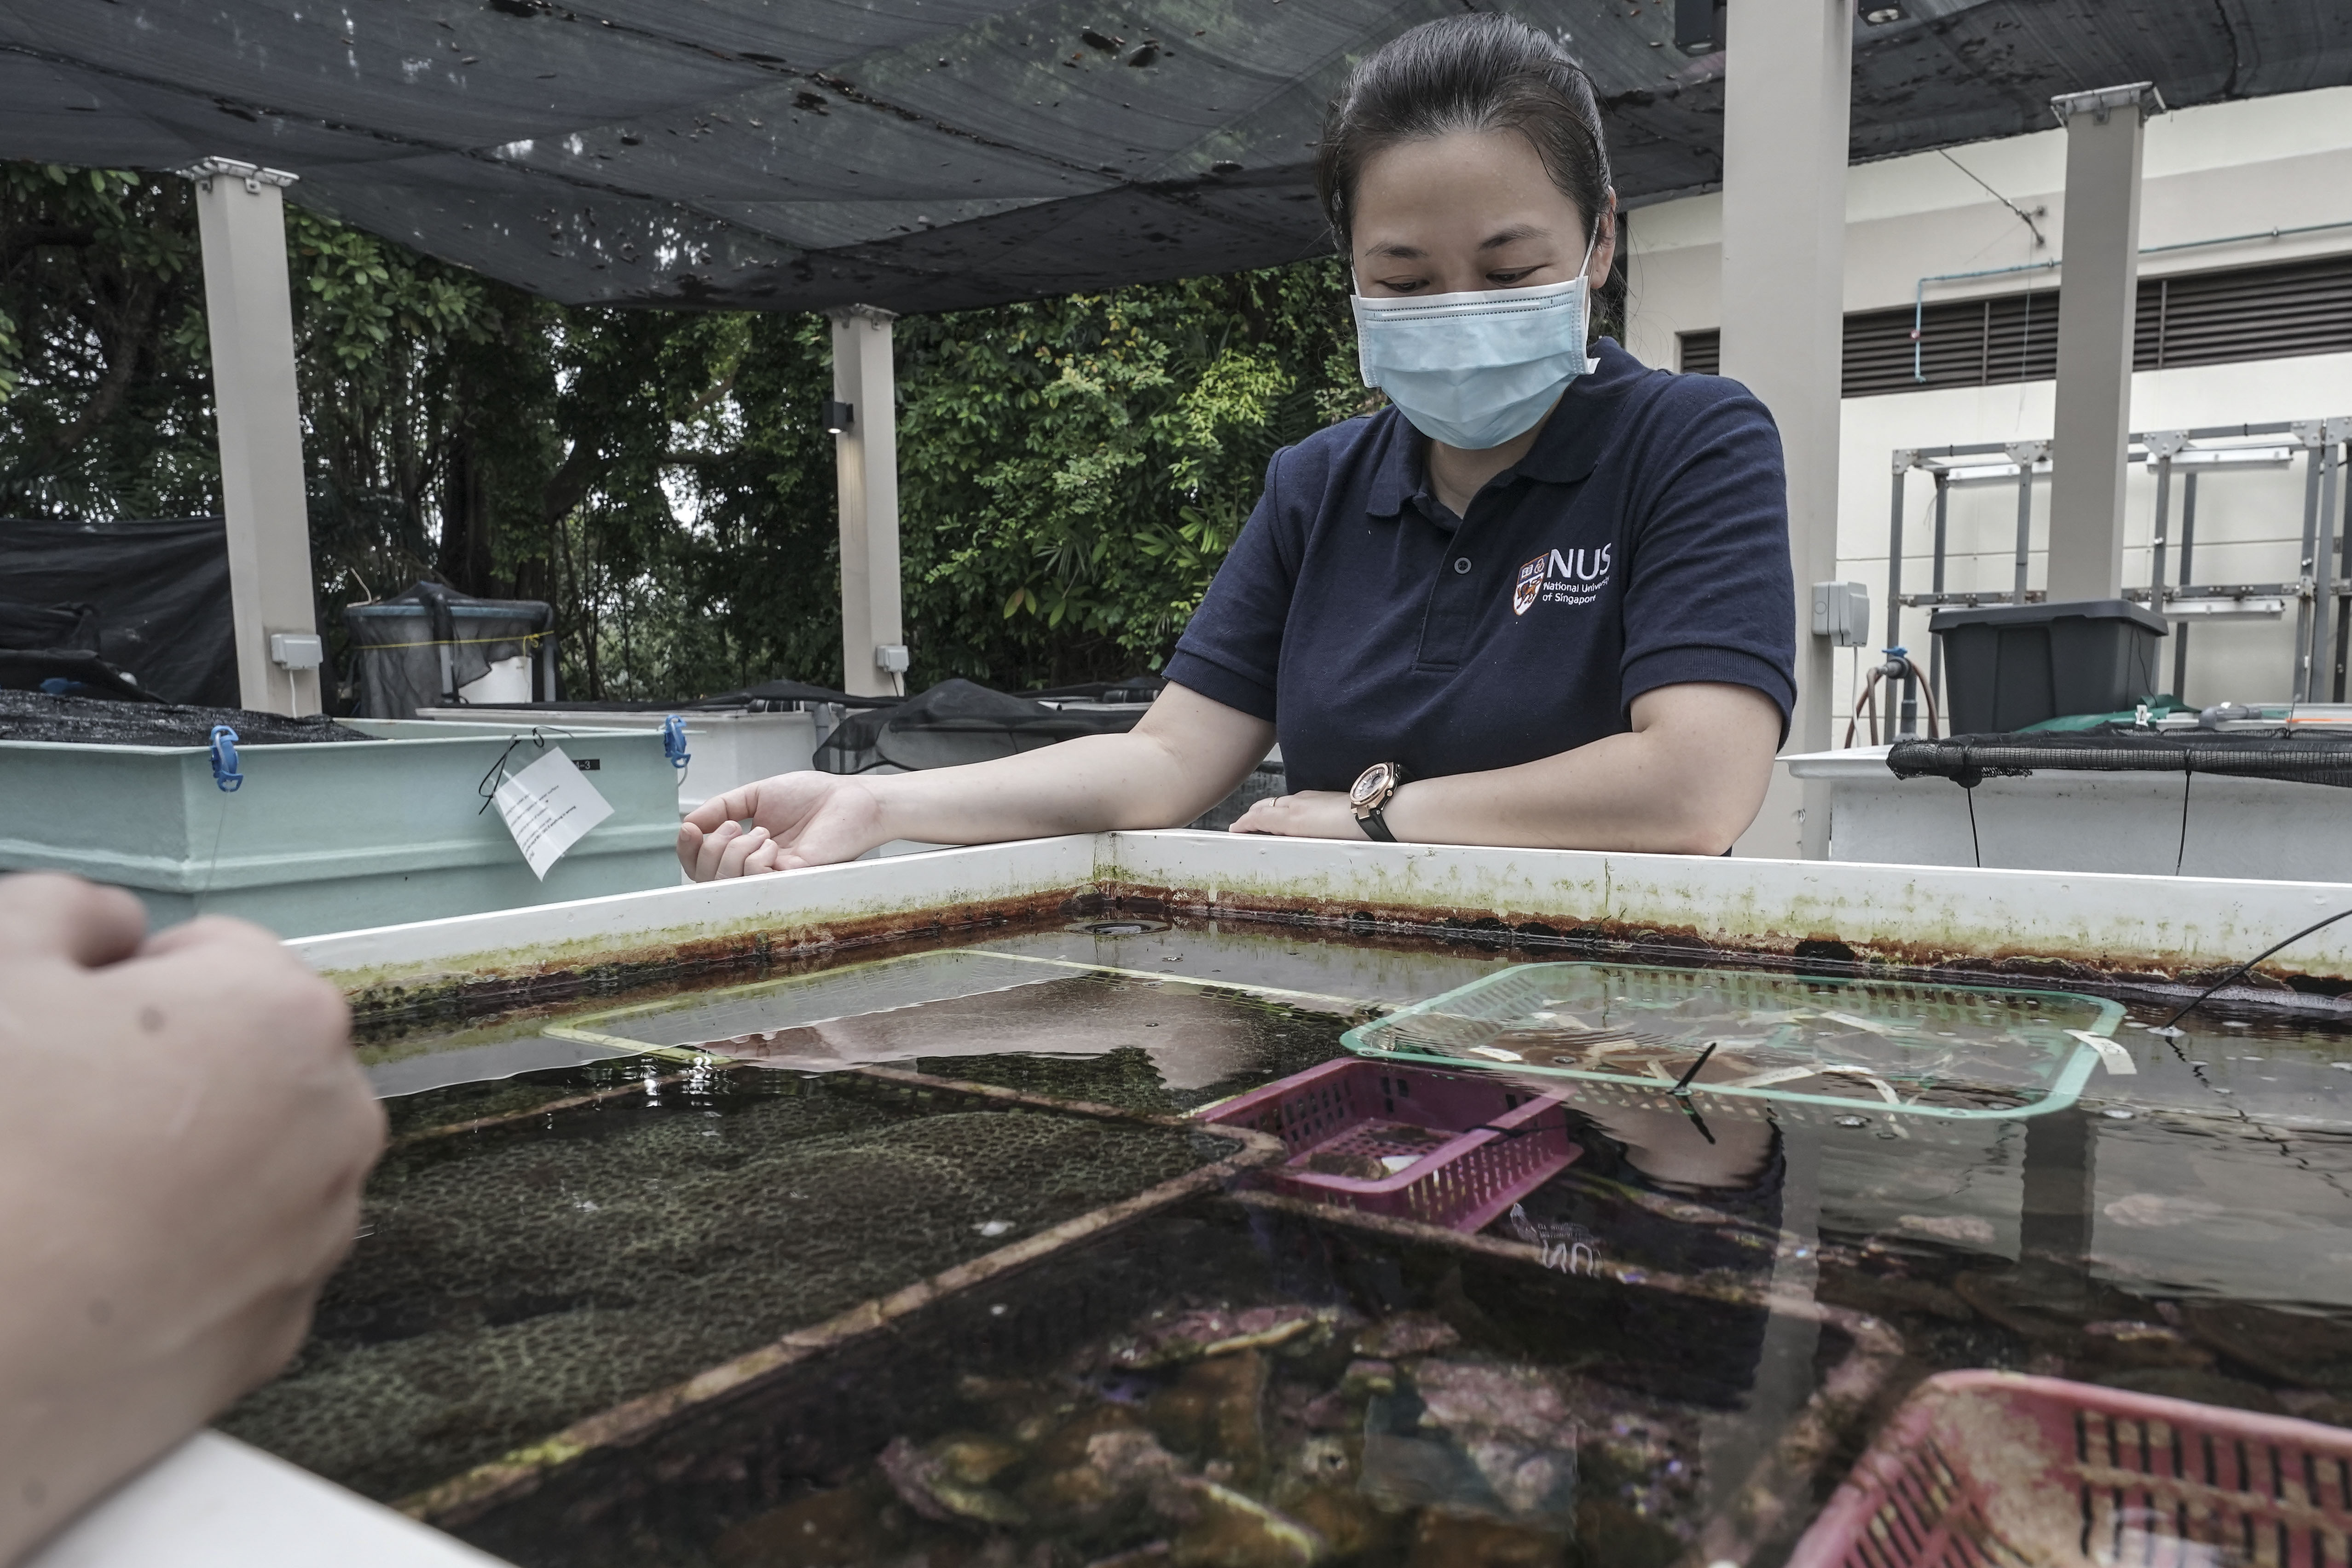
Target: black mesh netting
(424,647)
(1968,760)
(801,154)
(92,721)
(957,721)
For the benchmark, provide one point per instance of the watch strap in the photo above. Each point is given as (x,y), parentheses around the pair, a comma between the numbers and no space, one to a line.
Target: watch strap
(1375,824)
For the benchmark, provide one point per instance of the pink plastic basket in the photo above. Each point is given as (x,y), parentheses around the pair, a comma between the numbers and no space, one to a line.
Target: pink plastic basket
(1508,1140)
(1990,1470)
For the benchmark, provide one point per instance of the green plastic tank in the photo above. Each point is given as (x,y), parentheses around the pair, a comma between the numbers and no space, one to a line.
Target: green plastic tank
(338,837)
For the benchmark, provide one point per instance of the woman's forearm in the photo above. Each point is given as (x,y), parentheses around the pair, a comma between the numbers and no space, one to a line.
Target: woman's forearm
(1687,781)
(1185,756)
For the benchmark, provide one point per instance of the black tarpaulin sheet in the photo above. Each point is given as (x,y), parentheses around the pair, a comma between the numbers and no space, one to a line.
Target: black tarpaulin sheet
(160,588)
(67,672)
(957,721)
(51,626)
(798,154)
(1968,760)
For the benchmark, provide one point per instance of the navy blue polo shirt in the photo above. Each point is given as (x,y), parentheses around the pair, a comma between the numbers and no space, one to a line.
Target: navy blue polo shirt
(1642,542)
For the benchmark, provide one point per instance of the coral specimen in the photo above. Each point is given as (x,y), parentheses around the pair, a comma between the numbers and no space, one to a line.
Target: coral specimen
(511,1280)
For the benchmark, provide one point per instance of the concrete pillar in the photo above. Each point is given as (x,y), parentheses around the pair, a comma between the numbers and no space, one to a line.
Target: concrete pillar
(2096,309)
(866,455)
(1788,68)
(249,312)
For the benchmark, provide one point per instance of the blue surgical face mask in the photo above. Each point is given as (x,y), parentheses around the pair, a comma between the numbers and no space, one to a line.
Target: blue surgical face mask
(1475,369)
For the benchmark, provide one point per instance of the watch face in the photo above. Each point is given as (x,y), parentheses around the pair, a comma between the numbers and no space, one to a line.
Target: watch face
(1369,784)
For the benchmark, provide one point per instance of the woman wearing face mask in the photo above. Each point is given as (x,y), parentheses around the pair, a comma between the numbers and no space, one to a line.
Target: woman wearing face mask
(1542,599)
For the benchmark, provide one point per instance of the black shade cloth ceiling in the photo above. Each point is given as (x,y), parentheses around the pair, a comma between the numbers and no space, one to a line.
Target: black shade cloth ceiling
(1968,760)
(929,154)
(157,589)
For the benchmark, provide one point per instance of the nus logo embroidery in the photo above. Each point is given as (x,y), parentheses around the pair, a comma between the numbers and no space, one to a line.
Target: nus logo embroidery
(1530,583)
(1576,577)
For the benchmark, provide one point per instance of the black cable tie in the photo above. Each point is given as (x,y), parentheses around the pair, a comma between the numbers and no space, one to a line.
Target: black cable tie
(1681,1084)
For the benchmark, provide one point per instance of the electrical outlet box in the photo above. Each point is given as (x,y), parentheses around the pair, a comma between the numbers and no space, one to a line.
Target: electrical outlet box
(1841,614)
(890,658)
(296,650)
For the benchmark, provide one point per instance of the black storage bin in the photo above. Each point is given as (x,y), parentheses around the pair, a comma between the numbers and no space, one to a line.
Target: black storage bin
(2016,664)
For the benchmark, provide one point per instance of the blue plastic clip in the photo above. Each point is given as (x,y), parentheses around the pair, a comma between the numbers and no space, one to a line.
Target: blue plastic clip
(224,773)
(674,742)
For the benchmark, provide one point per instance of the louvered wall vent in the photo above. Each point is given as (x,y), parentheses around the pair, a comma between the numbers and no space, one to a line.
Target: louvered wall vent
(2188,318)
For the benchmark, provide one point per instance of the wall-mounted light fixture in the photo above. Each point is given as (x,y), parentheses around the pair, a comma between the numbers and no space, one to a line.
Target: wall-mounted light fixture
(839,418)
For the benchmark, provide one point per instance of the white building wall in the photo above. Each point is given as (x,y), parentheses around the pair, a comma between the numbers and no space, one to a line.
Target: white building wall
(2219,170)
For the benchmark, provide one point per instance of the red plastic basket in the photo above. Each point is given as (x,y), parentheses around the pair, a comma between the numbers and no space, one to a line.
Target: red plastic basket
(1508,1141)
(1990,1470)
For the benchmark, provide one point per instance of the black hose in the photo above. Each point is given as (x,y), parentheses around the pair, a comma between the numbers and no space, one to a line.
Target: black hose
(2241,970)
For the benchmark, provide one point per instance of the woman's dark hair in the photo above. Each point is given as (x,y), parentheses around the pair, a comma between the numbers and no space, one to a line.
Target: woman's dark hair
(1479,71)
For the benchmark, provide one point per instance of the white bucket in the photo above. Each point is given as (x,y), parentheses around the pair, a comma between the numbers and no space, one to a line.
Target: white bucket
(508,681)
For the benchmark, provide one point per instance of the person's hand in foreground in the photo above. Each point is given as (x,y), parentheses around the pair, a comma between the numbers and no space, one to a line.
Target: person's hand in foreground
(182,1148)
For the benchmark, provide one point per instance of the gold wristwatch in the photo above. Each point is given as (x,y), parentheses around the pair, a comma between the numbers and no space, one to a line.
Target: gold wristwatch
(1374,788)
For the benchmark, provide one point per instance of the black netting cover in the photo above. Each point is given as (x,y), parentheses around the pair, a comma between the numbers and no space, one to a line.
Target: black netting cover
(423,648)
(953,722)
(149,597)
(1968,760)
(798,154)
(90,721)
(1131,689)
(766,696)
(788,693)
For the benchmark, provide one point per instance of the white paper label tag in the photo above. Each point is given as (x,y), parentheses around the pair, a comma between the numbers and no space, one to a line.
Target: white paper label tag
(549,807)
(2111,1051)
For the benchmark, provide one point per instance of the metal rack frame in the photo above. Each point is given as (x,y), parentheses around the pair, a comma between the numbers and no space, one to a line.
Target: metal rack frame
(2326,445)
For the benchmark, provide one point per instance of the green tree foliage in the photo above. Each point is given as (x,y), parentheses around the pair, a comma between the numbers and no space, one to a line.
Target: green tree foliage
(1072,471)
(102,365)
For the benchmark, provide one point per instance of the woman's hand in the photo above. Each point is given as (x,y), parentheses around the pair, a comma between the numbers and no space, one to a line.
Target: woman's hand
(1309,814)
(797,820)
(1185,756)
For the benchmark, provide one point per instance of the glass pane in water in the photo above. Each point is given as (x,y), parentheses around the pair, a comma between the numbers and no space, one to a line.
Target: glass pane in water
(725,1020)
(1929,1048)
